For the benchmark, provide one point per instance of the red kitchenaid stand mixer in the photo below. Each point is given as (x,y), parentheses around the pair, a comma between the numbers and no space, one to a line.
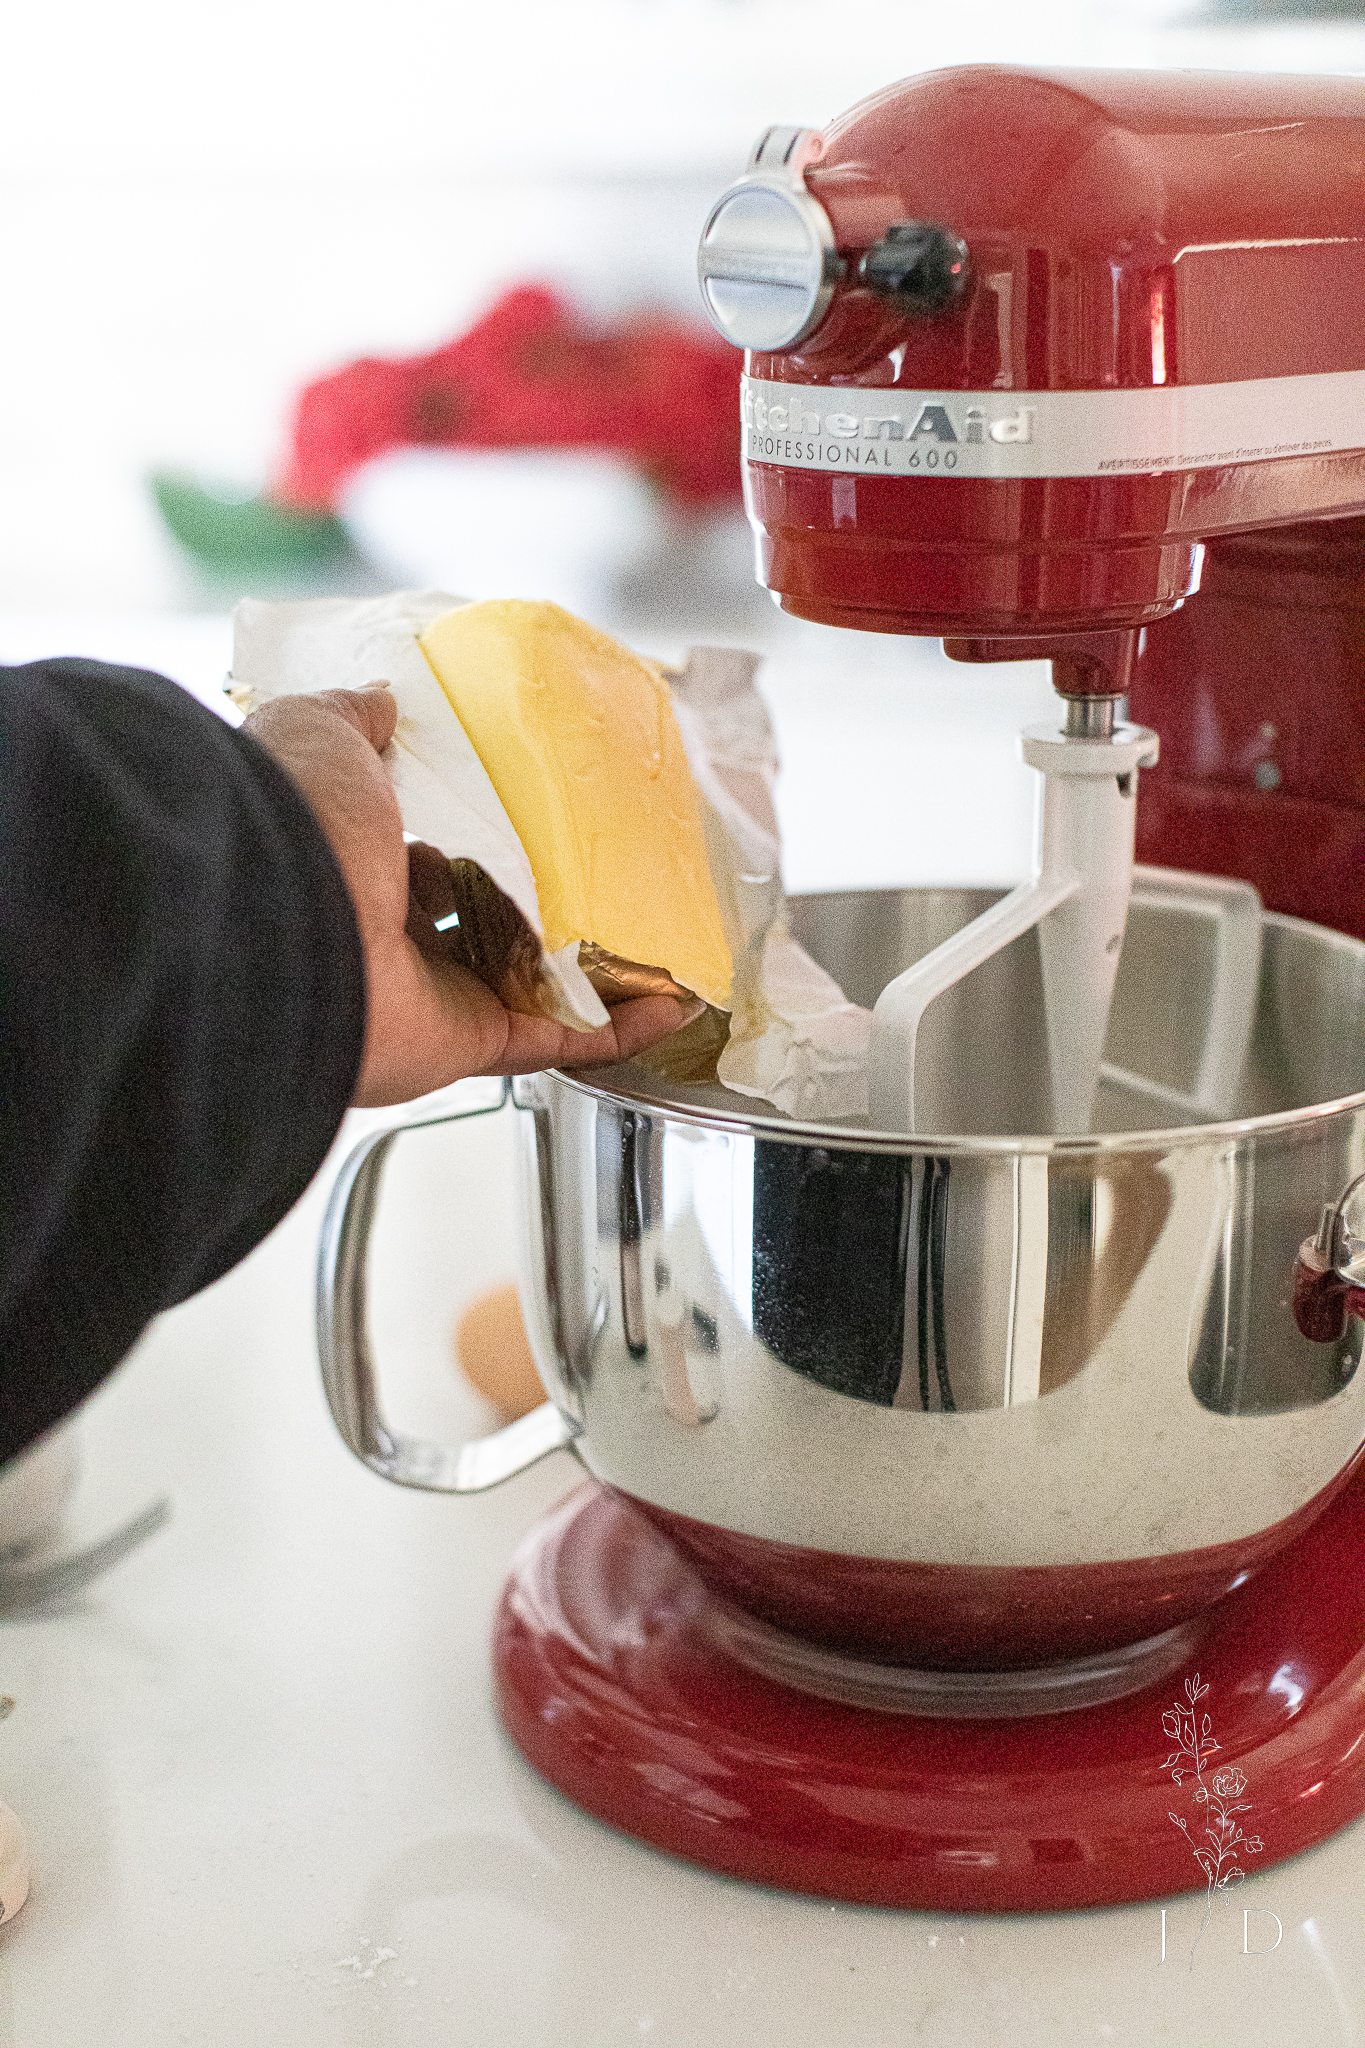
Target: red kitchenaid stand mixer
(1026,352)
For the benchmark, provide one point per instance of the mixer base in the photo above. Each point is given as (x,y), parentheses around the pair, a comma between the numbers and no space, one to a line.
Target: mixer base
(614,1680)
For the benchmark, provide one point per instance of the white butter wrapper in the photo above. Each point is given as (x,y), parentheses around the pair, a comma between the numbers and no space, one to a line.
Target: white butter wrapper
(795,1040)
(798,1041)
(443,791)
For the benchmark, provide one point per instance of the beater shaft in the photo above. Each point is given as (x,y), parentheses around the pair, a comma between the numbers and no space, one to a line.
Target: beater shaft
(1078,897)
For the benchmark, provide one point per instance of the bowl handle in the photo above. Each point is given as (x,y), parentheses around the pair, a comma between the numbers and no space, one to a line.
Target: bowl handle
(344,1350)
(1329,1273)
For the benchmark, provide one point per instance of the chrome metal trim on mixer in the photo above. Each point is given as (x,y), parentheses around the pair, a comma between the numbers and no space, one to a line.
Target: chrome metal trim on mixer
(767,262)
(1092,718)
(945,436)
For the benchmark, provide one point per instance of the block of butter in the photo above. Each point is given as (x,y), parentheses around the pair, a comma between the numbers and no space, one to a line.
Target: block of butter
(578,737)
(609,827)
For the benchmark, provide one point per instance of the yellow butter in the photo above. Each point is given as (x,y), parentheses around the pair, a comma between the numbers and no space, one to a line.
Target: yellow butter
(580,742)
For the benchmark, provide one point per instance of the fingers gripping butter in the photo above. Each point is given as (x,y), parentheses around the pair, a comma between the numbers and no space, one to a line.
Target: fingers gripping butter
(580,742)
(603,835)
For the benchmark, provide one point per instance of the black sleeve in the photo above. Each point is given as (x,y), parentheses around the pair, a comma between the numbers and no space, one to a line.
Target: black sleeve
(181,1015)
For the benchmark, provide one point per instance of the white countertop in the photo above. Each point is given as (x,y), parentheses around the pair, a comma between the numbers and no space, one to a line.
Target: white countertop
(261,1752)
(269,1802)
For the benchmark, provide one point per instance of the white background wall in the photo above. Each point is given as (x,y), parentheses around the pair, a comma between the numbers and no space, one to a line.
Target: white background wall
(204,205)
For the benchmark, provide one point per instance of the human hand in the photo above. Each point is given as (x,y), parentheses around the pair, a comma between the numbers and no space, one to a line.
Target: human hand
(428,1021)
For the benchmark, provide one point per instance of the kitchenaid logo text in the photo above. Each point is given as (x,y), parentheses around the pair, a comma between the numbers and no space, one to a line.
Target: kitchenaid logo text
(1113,433)
(931,431)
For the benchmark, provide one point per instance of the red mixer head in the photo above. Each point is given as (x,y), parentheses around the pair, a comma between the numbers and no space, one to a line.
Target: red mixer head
(1018,342)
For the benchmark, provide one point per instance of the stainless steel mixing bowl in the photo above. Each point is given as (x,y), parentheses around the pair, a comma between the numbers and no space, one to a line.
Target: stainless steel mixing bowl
(955,1401)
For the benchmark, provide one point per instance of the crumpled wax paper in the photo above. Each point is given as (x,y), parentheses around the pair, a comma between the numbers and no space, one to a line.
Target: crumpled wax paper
(794,1040)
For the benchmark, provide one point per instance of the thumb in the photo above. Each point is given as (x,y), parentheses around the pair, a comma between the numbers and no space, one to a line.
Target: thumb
(371,711)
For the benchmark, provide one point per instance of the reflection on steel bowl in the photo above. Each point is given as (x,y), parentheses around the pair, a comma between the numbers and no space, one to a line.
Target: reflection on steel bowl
(958,1400)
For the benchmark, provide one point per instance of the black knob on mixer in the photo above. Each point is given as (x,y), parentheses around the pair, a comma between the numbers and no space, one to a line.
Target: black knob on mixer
(921,266)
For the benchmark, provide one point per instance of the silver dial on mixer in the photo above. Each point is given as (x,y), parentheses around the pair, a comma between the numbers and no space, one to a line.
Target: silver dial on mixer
(767,261)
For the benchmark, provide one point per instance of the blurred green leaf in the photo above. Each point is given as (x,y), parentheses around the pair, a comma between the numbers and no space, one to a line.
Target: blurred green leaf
(254,536)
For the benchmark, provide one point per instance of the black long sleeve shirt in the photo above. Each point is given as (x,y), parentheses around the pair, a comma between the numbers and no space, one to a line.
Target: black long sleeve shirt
(181,1015)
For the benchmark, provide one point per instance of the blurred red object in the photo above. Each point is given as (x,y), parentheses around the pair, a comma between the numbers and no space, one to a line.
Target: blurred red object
(532,373)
